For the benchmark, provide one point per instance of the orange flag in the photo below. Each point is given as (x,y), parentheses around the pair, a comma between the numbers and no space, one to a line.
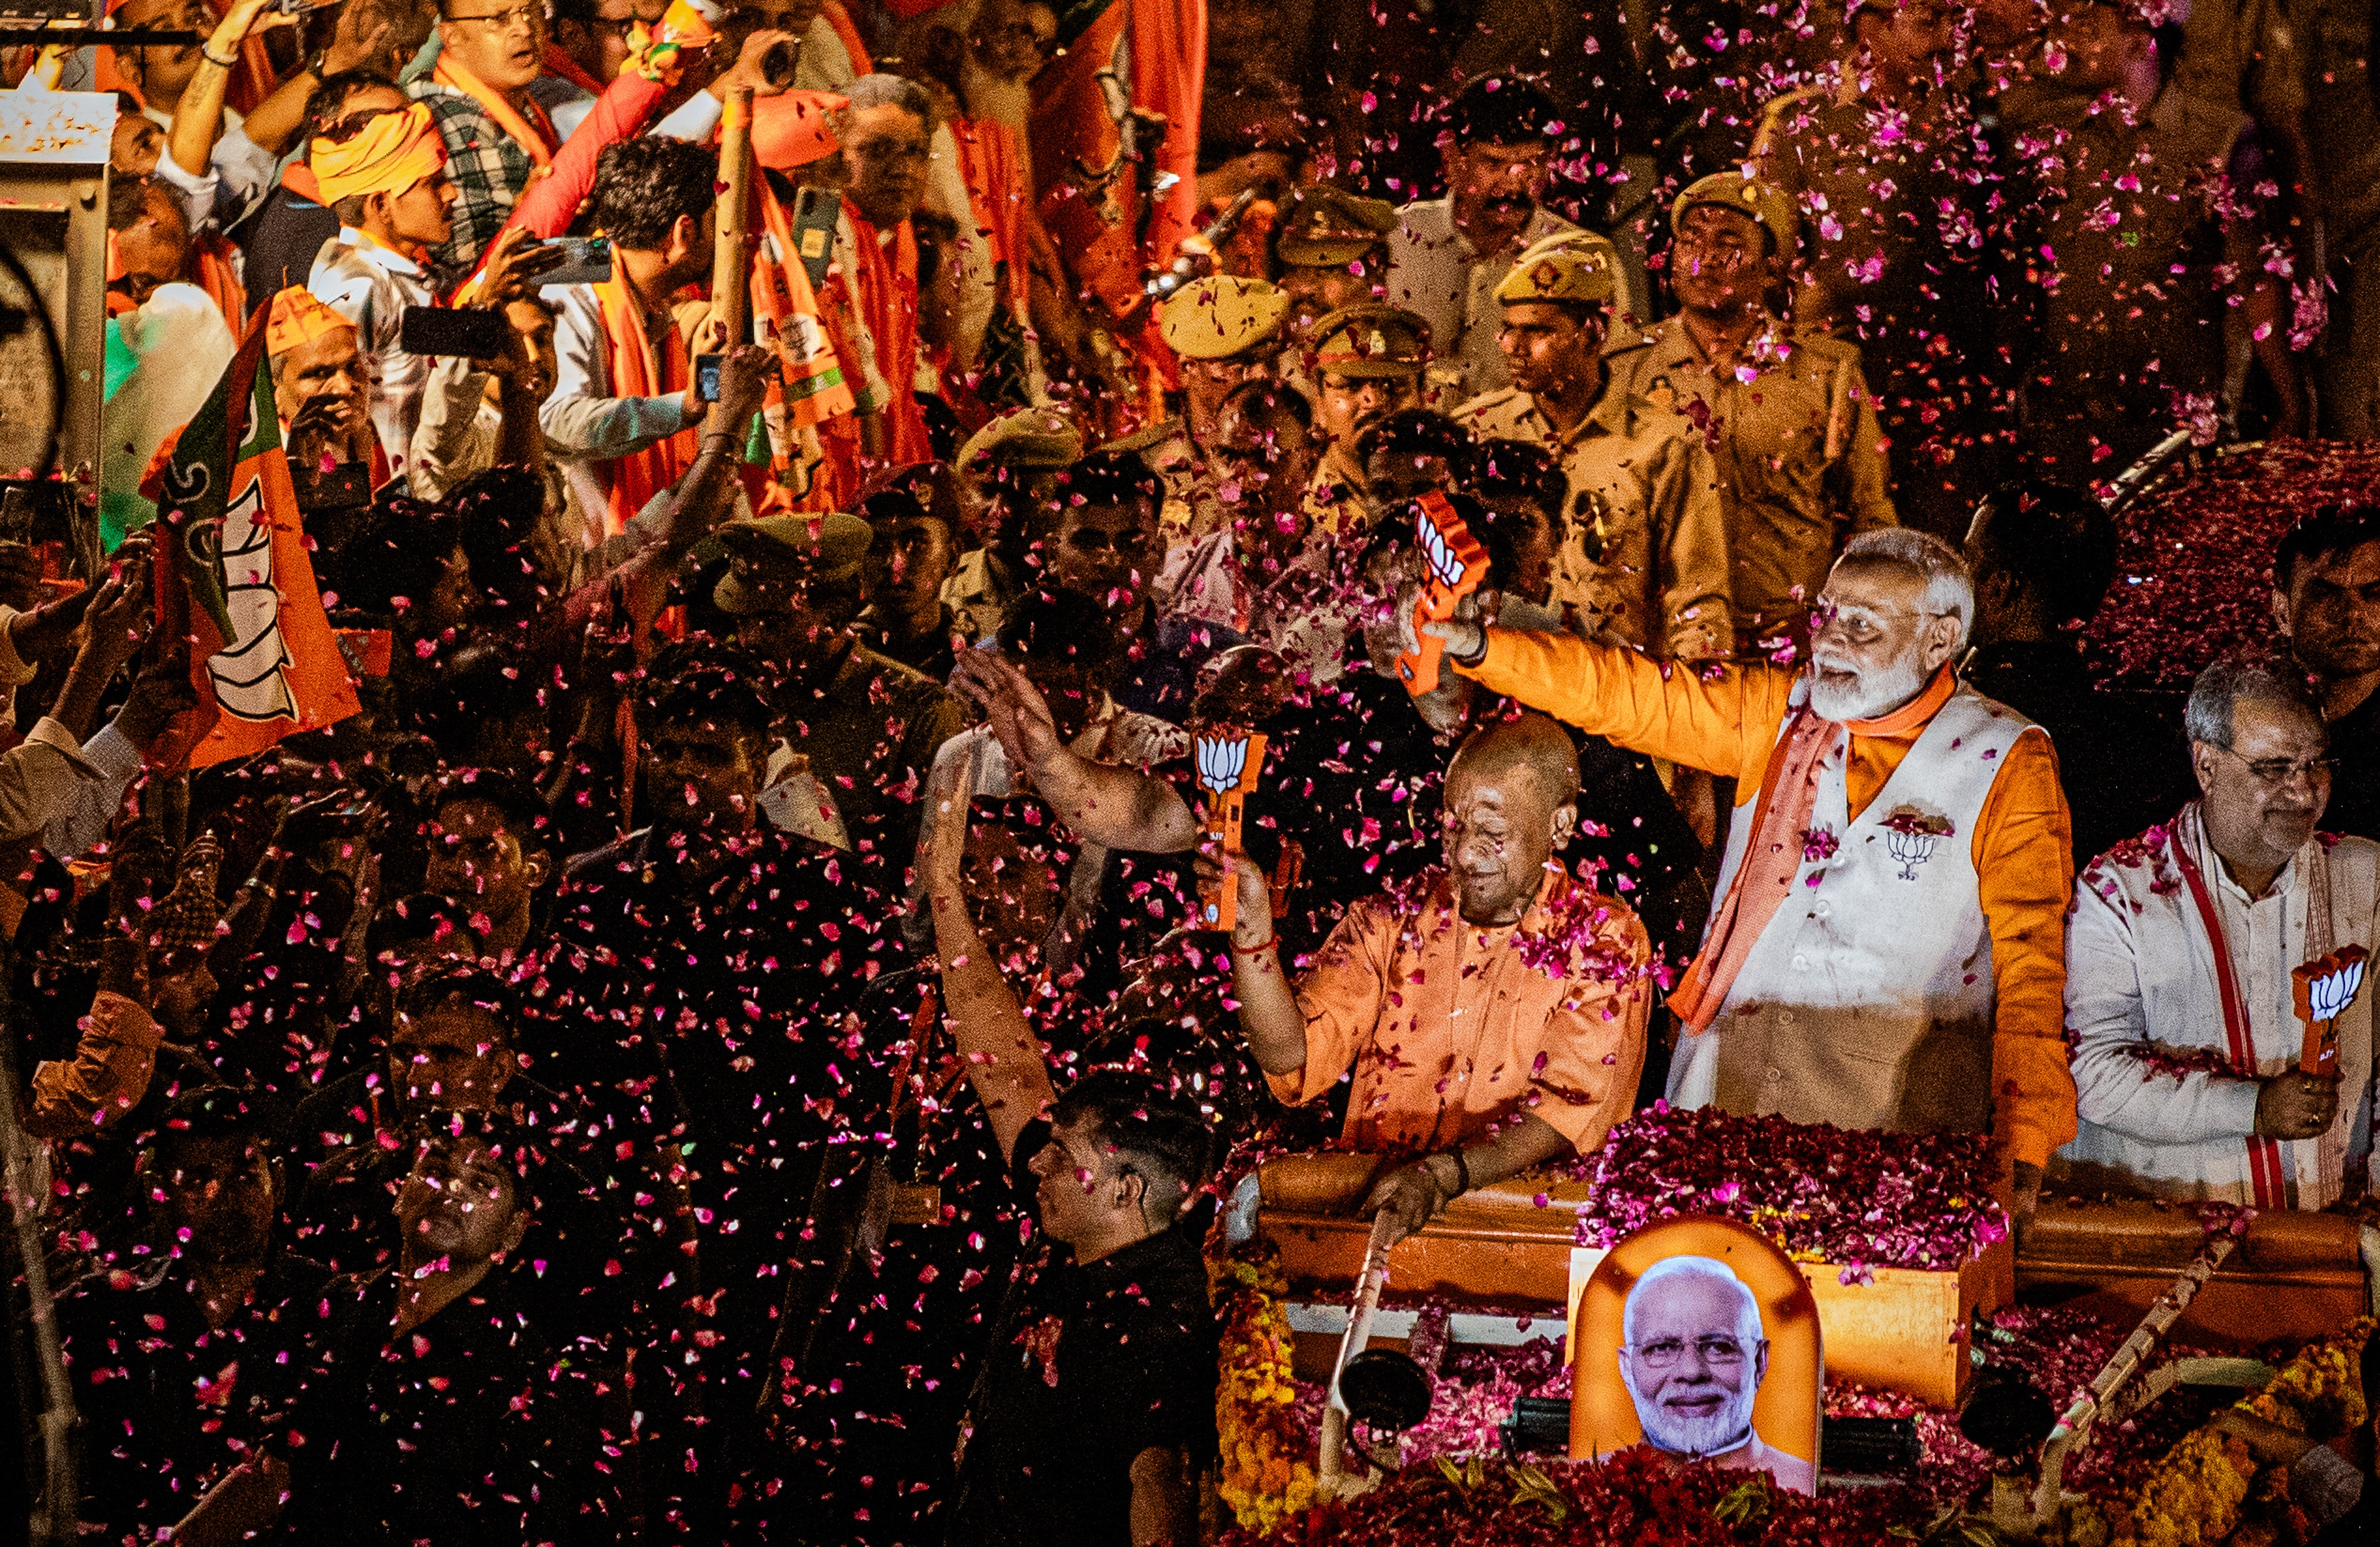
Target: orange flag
(233,578)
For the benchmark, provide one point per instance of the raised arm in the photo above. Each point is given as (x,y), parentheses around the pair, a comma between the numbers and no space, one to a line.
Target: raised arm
(1270,1018)
(197,119)
(1721,720)
(1116,806)
(1006,1060)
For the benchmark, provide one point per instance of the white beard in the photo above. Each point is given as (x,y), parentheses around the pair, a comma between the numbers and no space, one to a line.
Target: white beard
(1875,692)
(1715,1435)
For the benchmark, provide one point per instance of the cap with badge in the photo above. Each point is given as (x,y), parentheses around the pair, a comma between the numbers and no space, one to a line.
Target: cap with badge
(1024,441)
(1221,316)
(1568,266)
(1769,207)
(1325,227)
(1371,340)
(774,557)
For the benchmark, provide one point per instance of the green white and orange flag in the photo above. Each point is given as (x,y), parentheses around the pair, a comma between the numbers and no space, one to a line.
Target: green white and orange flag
(234,579)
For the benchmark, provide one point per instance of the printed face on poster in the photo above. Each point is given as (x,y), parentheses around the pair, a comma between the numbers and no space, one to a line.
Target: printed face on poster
(1699,1338)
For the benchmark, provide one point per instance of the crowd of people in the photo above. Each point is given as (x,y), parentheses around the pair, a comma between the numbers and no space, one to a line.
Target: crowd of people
(728,1043)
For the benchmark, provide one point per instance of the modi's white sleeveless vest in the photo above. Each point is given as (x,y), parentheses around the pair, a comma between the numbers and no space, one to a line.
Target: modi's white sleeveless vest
(1867,1000)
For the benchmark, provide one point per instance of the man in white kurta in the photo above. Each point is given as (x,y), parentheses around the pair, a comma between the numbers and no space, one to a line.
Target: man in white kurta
(2186,1062)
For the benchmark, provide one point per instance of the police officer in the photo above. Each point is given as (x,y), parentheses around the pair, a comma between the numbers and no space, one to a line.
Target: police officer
(1785,412)
(1333,249)
(1222,330)
(1366,363)
(1642,554)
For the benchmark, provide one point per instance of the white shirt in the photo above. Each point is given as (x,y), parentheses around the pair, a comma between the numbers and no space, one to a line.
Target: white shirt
(2142,997)
(371,285)
(1302,616)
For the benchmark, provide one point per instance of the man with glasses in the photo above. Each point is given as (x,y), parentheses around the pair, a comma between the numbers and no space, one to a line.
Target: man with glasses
(1643,547)
(497,135)
(1692,1363)
(2190,1028)
(1802,466)
(1888,948)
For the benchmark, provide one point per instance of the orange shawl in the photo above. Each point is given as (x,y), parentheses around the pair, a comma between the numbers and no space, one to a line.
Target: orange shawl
(848,30)
(640,475)
(996,193)
(561,64)
(527,124)
(884,292)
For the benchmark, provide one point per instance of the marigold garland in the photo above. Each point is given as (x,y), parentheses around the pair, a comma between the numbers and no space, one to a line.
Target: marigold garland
(1268,1473)
(2200,1491)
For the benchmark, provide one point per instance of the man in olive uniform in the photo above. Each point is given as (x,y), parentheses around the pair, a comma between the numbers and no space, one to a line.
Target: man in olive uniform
(1366,363)
(1785,412)
(868,726)
(1333,248)
(1222,330)
(1004,469)
(1644,557)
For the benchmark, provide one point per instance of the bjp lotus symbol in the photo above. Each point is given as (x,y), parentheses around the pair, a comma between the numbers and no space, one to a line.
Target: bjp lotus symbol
(1228,762)
(1457,563)
(2324,988)
(1911,835)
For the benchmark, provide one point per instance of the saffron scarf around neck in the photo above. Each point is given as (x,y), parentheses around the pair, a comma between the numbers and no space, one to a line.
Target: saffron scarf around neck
(637,477)
(885,290)
(527,123)
(1789,794)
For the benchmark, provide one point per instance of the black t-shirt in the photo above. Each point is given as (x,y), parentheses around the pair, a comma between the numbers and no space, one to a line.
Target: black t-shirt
(468,1429)
(2120,769)
(2355,786)
(1089,1366)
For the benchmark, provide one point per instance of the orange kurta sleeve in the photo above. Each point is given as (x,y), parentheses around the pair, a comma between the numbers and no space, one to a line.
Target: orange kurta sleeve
(104,1080)
(1341,997)
(2024,857)
(1721,720)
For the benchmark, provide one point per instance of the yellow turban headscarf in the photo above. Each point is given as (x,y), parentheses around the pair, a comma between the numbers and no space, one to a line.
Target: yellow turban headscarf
(389,153)
(298,318)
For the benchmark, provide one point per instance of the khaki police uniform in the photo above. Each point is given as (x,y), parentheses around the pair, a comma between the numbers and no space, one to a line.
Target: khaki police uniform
(1801,465)
(1642,555)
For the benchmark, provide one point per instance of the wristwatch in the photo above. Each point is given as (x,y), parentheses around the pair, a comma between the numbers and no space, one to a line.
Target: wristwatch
(314,64)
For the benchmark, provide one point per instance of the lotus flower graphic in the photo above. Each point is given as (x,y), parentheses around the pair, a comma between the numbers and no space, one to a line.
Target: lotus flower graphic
(250,672)
(1444,565)
(2332,991)
(1221,761)
(1910,835)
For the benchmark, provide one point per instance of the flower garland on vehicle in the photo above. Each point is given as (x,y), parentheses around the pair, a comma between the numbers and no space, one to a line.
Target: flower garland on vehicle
(1863,1199)
(1268,1470)
(2202,1490)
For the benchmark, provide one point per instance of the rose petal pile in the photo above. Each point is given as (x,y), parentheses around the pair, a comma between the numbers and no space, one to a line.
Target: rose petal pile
(1867,1200)
(2193,564)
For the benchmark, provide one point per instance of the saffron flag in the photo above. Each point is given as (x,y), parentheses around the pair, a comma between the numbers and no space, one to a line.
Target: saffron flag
(233,578)
(1115,56)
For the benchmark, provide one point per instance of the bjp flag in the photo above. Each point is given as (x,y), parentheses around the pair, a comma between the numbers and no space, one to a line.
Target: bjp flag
(1116,55)
(233,578)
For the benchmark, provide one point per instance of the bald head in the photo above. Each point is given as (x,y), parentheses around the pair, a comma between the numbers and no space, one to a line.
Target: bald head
(1533,744)
(1510,802)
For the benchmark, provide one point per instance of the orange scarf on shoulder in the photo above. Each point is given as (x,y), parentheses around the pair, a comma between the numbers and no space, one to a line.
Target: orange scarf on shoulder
(1780,825)
(884,292)
(640,475)
(527,124)
(848,30)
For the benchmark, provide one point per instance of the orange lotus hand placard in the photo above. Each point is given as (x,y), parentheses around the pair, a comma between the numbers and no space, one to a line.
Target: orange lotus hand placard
(1229,762)
(2325,987)
(1457,566)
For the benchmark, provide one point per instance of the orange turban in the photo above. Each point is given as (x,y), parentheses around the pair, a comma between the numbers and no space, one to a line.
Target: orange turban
(790,130)
(298,318)
(387,153)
